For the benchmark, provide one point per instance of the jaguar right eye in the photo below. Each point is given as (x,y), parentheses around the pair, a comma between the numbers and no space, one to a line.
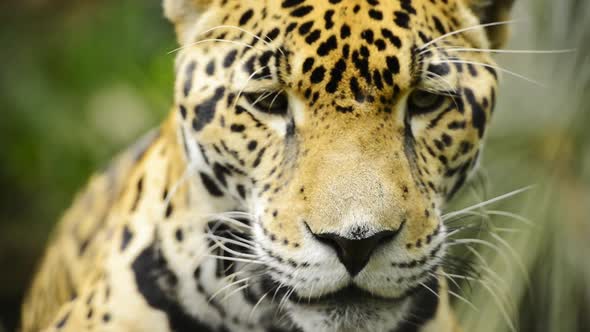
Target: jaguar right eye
(276,103)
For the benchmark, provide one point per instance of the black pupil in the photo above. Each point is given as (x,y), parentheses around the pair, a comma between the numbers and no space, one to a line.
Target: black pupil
(272,103)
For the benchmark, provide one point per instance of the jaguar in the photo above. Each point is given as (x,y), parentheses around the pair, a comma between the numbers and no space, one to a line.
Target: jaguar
(298,180)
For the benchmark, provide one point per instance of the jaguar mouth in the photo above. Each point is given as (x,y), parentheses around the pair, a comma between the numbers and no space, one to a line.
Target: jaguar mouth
(345,296)
(350,295)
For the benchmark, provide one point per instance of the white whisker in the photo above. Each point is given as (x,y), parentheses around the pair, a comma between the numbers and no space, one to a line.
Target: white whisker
(235,291)
(236,242)
(517,217)
(515,257)
(486,203)
(236,259)
(497,68)
(456,295)
(488,244)
(452,33)
(231,251)
(246,84)
(227,286)
(214,40)
(499,51)
(267,43)
(256,305)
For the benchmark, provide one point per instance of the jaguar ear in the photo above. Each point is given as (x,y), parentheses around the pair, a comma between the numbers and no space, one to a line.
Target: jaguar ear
(184,14)
(490,11)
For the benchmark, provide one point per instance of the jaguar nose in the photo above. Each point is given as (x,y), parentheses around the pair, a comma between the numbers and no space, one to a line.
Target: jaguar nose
(354,254)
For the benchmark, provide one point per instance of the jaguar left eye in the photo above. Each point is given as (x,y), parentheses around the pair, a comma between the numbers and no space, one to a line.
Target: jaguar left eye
(421,101)
(272,103)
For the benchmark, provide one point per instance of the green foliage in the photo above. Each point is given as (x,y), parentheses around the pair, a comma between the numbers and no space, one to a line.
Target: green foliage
(66,74)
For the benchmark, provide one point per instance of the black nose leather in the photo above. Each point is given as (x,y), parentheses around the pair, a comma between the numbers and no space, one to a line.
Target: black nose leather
(355,254)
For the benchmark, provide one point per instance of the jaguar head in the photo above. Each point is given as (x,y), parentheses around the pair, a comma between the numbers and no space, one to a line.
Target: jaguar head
(343,127)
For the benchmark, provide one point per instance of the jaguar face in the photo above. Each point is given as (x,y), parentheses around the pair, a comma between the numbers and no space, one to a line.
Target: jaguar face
(342,127)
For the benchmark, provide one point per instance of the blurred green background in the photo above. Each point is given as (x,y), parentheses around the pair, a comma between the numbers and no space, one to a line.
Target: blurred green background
(79,80)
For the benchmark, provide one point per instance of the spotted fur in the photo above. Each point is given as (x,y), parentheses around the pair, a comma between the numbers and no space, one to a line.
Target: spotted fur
(298,181)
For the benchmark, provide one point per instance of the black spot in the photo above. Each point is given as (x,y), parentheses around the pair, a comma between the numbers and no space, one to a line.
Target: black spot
(252,145)
(205,111)
(377,79)
(328,19)
(188,81)
(258,158)
(241,191)
(387,77)
(210,185)
(425,39)
(313,36)
(203,153)
(376,14)
(345,51)
(138,194)
(402,19)
(246,16)
(210,69)
(478,115)
(380,43)
(368,36)
(326,47)
(220,172)
(305,28)
(356,91)
(344,31)
(62,322)
(343,109)
(393,39)
(364,50)
(126,237)
(291,3)
(237,128)
(179,235)
(472,70)
(169,210)
(392,64)
(407,6)
(291,27)
(302,11)
(149,268)
(336,76)
(439,26)
(456,125)
(308,64)
(318,74)
(273,33)
(230,99)
(448,140)
(106,318)
(362,64)
(182,110)
(230,58)
(492,71)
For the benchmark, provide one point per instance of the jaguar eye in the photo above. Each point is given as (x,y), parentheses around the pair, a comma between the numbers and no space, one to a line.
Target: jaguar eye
(275,103)
(421,101)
